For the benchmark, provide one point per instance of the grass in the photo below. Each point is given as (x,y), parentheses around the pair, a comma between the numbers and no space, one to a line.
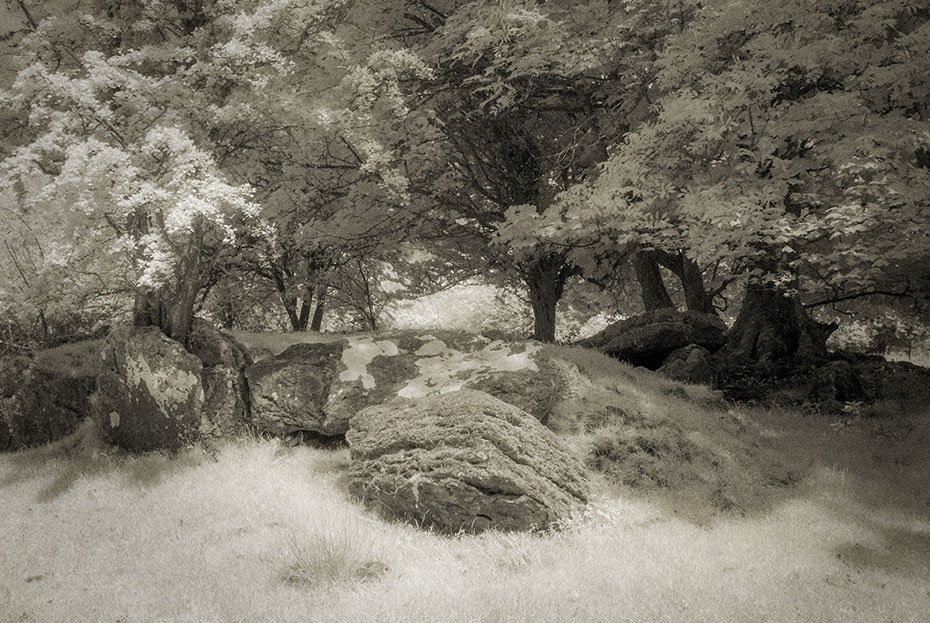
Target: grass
(736,515)
(331,551)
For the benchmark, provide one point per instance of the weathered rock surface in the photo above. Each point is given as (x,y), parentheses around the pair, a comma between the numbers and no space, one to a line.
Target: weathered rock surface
(463,461)
(648,339)
(226,393)
(149,393)
(40,403)
(690,364)
(288,392)
(318,387)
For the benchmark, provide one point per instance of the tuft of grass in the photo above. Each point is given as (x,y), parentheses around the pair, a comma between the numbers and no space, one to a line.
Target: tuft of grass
(331,552)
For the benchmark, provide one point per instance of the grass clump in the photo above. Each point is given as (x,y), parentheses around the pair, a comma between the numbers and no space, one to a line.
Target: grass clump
(331,553)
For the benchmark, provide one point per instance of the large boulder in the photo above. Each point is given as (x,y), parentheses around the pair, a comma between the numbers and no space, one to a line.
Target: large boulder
(318,387)
(648,339)
(463,461)
(42,398)
(690,364)
(288,392)
(226,392)
(149,393)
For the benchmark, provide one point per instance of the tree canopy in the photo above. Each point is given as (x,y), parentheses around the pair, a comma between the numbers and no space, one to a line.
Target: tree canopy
(167,150)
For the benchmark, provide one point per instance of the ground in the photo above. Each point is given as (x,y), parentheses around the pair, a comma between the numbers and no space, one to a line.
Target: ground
(706,511)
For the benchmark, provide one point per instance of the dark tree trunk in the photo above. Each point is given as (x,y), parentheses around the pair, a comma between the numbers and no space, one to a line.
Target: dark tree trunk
(298,312)
(545,277)
(171,307)
(651,285)
(773,329)
(317,321)
(297,308)
(172,312)
(692,280)
(303,318)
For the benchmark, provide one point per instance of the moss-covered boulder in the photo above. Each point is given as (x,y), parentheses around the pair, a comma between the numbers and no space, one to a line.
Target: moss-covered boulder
(463,461)
(648,339)
(318,387)
(289,392)
(40,401)
(149,392)
(226,393)
(690,364)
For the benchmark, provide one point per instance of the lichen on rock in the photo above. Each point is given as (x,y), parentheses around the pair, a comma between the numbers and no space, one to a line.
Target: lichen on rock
(317,387)
(149,392)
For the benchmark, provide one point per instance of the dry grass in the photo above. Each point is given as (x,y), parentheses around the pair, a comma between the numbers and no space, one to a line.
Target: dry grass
(333,550)
(266,532)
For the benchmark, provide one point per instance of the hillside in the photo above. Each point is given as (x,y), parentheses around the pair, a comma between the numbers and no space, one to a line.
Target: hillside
(704,511)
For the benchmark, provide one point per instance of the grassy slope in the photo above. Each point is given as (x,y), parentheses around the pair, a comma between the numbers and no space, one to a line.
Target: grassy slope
(705,513)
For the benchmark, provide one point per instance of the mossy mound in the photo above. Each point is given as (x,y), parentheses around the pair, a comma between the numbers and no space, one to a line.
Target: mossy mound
(679,444)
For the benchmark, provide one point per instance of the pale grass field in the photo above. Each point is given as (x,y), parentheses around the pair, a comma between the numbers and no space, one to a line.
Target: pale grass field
(257,531)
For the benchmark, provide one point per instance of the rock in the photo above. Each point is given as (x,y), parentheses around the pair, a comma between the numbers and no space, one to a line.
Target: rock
(225,401)
(215,348)
(690,364)
(226,393)
(891,380)
(41,403)
(150,393)
(288,392)
(463,460)
(318,387)
(535,391)
(836,381)
(647,339)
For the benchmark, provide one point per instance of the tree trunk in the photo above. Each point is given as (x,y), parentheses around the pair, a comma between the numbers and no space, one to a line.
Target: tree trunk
(317,321)
(545,277)
(651,285)
(170,307)
(297,308)
(692,280)
(173,313)
(298,312)
(303,318)
(773,330)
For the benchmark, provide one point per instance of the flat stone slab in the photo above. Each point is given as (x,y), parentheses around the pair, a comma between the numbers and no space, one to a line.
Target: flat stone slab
(648,339)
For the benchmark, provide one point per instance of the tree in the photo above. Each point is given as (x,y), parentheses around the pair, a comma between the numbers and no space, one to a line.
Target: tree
(330,179)
(130,113)
(526,97)
(785,150)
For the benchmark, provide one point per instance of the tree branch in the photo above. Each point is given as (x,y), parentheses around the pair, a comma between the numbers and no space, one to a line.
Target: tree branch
(857,295)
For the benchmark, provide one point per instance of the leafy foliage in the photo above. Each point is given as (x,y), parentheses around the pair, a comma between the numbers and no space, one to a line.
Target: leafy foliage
(787,143)
(169,152)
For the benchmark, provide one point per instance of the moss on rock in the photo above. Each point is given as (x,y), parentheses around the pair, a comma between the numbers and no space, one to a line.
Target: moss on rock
(463,460)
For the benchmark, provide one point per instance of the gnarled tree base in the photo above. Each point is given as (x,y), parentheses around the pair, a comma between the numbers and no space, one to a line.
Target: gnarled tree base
(774,331)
